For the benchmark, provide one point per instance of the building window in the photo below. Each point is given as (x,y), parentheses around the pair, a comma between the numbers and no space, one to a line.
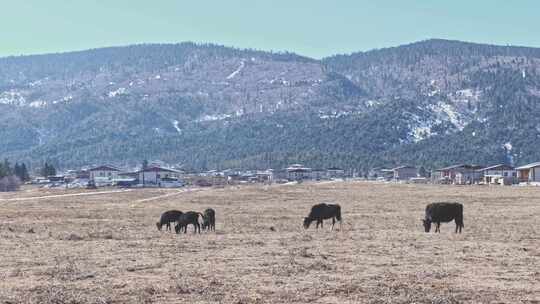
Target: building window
(505,174)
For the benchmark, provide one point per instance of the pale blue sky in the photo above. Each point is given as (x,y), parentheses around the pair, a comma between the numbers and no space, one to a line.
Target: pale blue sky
(313,28)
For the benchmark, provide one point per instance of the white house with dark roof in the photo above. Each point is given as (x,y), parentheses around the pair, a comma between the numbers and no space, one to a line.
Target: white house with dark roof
(529,173)
(154,175)
(104,172)
(498,174)
(298,172)
(404,173)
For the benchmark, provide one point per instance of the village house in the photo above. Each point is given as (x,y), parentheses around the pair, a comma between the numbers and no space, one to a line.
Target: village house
(298,172)
(463,174)
(265,176)
(335,172)
(104,173)
(318,174)
(404,173)
(498,174)
(157,176)
(529,173)
(381,173)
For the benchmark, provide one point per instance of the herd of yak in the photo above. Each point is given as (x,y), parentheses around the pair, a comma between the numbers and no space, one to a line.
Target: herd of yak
(435,213)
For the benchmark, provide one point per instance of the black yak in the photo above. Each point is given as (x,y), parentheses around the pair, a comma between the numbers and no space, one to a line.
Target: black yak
(209,219)
(167,218)
(190,217)
(322,212)
(443,213)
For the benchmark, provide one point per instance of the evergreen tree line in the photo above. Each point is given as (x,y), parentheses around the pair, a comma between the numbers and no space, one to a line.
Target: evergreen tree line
(12,176)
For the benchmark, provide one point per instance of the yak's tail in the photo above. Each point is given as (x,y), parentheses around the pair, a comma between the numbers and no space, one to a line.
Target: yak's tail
(338,213)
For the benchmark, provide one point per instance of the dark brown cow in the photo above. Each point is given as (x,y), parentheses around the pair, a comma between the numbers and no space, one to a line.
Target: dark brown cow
(167,218)
(443,213)
(209,220)
(188,218)
(322,212)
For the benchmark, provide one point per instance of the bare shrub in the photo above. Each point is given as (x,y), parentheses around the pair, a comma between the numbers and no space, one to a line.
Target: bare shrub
(9,183)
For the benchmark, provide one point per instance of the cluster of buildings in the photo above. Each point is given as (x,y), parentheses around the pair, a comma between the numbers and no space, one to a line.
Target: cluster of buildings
(464,174)
(162,175)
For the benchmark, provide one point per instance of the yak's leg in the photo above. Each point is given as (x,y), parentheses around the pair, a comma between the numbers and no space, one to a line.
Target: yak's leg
(333,222)
(438,227)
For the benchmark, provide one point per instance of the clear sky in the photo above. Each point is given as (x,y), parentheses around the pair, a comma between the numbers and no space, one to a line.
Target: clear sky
(315,28)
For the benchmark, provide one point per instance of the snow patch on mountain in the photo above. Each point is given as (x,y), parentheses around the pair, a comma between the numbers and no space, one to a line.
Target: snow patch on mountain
(240,68)
(12,97)
(38,103)
(447,112)
(175,125)
(214,117)
(117,92)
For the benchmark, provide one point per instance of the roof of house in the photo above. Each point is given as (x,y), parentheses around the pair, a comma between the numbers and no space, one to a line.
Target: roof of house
(298,169)
(497,167)
(404,167)
(158,169)
(334,169)
(529,166)
(465,166)
(104,168)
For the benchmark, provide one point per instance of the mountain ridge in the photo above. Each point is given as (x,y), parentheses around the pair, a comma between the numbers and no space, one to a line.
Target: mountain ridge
(105,105)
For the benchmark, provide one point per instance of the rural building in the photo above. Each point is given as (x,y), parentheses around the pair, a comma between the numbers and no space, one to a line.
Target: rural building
(298,172)
(171,182)
(463,174)
(104,172)
(529,173)
(381,173)
(335,172)
(156,175)
(318,174)
(404,173)
(265,176)
(499,174)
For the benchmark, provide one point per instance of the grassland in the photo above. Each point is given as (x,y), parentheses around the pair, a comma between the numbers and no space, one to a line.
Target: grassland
(105,248)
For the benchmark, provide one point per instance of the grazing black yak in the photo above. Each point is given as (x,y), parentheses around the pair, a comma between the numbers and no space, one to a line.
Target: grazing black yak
(209,219)
(190,217)
(443,213)
(167,218)
(322,212)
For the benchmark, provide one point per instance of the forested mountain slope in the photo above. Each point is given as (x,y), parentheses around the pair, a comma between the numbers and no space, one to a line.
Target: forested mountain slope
(429,103)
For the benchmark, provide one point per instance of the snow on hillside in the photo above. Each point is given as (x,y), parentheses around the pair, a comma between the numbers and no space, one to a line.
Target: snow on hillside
(240,68)
(175,125)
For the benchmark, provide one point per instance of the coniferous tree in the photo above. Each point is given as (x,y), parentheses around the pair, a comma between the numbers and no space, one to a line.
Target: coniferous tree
(25,176)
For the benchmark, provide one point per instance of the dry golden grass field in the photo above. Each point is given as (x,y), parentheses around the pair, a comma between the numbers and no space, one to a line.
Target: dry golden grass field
(105,248)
